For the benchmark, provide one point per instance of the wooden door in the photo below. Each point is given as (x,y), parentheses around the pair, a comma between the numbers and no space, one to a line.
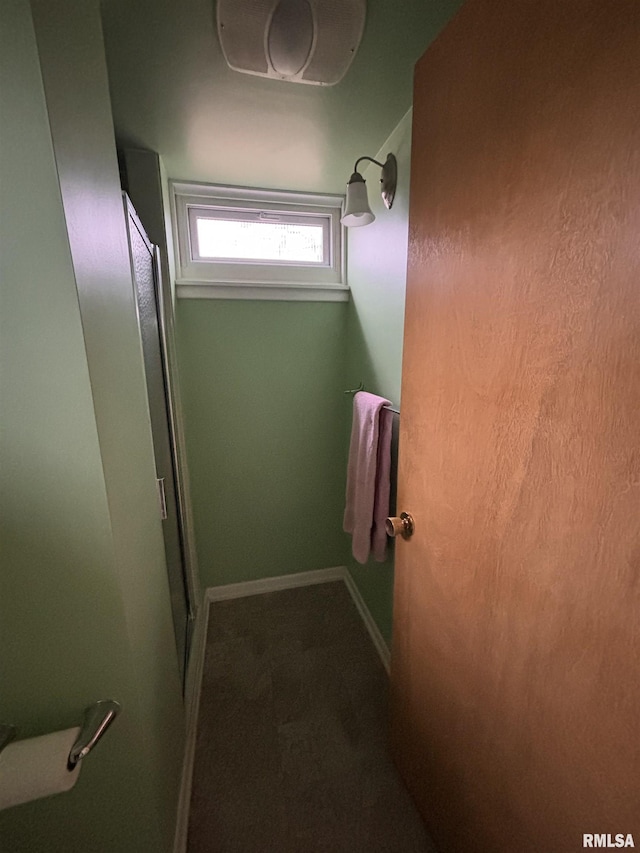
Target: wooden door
(516,662)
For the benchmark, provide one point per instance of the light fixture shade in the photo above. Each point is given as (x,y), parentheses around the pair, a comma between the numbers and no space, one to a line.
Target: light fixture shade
(357,210)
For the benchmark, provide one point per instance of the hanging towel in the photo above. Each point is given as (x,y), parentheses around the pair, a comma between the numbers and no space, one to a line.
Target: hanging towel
(368,486)
(383,487)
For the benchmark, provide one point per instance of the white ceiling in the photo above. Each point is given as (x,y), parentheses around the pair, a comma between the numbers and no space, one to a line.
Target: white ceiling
(173,92)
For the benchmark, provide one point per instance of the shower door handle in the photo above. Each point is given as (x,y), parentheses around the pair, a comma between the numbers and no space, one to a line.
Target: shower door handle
(162,498)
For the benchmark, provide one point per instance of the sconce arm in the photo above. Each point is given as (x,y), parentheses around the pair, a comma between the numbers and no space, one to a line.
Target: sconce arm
(360,159)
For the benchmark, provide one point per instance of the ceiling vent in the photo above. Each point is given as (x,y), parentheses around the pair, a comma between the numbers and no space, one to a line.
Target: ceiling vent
(302,41)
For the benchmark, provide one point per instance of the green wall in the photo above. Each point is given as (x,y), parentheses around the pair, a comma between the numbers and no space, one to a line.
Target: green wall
(84,610)
(262,387)
(377,262)
(267,422)
(255,375)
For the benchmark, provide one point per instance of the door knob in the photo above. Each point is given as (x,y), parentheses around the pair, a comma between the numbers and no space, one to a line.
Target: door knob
(402,526)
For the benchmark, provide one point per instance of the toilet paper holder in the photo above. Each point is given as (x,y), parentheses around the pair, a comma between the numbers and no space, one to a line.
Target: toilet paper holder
(7,734)
(97,719)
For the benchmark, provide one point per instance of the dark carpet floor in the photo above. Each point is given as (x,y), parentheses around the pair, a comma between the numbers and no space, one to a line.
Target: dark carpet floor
(291,751)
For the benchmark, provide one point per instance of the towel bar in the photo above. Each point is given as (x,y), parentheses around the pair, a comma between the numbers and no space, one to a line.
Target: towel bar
(362,388)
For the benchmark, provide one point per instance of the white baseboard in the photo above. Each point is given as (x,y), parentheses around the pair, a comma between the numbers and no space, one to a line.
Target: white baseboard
(192,706)
(374,632)
(196,662)
(241,590)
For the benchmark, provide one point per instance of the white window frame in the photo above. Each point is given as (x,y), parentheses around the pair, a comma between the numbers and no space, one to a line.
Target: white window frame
(198,277)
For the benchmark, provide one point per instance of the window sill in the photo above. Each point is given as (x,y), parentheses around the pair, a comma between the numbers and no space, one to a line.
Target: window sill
(290,292)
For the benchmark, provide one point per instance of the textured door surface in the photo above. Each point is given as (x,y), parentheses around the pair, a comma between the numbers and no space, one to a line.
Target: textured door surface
(144,272)
(516,650)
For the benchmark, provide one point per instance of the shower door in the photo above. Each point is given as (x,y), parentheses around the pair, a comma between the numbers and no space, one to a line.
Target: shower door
(146,273)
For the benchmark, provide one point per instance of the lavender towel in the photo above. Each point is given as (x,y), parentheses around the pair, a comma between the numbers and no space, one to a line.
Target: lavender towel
(368,476)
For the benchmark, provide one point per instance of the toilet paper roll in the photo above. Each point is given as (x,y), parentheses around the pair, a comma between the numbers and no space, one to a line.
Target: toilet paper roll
(37,767)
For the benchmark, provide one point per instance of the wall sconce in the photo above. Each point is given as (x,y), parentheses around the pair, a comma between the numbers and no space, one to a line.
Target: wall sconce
(357,210)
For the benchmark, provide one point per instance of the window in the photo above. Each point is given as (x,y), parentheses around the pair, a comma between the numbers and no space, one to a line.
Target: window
(267,238)
(234,242)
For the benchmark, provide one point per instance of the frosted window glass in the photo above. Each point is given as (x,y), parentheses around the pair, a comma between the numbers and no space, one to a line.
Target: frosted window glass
(260,241)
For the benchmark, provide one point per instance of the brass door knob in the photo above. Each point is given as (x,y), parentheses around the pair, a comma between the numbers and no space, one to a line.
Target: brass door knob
(402,526)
